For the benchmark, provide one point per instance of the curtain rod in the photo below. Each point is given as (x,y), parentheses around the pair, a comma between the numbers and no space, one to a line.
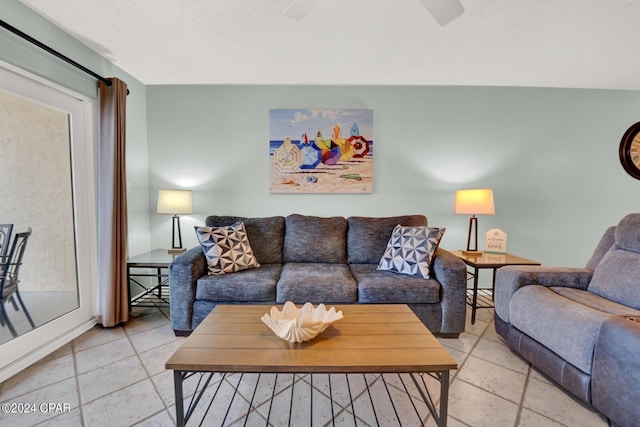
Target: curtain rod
(54,52)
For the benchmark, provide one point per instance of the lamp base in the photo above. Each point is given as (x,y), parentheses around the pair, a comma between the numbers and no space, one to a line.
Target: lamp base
(472,253)
(175,251)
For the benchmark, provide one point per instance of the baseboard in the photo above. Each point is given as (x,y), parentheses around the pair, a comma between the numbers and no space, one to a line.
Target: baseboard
(44,350)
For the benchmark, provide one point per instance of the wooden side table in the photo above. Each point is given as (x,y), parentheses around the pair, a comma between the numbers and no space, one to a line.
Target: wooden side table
(153,264)
(487,261)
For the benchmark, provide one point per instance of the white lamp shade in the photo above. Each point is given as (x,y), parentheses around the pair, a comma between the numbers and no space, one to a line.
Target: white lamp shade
(478,201)
(174,202)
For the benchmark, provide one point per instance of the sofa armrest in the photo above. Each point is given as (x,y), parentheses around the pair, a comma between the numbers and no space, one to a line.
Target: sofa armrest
(451,272)
(184,272)
(511,278)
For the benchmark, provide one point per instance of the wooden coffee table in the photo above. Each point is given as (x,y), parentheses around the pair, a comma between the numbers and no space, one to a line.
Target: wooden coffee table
(369,339)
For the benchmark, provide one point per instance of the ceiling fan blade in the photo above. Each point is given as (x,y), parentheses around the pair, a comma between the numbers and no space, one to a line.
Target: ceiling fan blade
(299,9)
(444,11)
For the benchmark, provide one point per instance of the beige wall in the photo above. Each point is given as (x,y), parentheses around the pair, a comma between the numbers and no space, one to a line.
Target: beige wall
(35,190)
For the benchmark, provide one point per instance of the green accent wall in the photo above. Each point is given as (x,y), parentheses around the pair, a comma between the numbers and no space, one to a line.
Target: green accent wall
(550,156)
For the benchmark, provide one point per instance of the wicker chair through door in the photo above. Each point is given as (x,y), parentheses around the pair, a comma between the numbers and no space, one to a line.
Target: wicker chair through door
(9,279)
(5,240)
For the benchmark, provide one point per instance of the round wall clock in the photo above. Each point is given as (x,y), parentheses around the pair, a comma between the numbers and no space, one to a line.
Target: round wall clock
(630,151)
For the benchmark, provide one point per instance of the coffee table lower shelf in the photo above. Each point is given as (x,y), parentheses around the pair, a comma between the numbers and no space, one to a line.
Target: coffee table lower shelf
(255,399)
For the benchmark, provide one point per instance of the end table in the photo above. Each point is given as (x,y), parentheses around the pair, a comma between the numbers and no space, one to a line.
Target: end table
(491,261)
(153,264)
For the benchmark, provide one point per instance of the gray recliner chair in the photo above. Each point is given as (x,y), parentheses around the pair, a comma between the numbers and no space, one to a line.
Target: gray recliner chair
(581,326)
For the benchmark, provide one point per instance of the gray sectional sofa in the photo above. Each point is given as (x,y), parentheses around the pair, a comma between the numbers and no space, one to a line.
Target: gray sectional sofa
(319,260)
(581,326)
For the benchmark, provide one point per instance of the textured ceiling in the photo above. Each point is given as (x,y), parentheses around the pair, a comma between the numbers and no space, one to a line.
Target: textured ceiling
(554,43)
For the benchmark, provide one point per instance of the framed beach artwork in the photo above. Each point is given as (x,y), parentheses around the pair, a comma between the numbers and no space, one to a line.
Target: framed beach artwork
(321,151)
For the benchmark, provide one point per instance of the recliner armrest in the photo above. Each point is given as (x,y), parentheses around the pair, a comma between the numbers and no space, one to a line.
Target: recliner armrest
(615,377)
(184,272)
(511,278)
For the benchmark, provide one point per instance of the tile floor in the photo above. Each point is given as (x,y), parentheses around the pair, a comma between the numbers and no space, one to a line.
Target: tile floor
(116,377)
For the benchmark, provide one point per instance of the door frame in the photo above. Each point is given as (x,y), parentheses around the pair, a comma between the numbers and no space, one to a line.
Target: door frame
(32,346)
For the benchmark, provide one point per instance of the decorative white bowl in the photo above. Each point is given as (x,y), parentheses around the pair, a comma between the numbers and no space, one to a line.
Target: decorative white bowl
(298,325)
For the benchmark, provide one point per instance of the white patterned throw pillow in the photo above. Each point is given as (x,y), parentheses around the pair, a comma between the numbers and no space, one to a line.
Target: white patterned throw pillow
(227,249)
(411,250)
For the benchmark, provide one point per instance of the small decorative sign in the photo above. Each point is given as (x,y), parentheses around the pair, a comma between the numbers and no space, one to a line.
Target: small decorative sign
(496,241)
(495,258)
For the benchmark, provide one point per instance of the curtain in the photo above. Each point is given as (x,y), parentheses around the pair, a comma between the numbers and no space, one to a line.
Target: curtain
(113,297)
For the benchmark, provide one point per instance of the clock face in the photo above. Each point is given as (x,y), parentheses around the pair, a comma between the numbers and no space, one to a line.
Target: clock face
(630,151)
(634,151)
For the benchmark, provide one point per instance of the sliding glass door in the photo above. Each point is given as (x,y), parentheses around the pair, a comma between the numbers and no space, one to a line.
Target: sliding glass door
(47,186)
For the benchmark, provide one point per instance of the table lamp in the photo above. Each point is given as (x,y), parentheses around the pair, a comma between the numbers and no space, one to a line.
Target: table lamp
(175,202)
(474,202)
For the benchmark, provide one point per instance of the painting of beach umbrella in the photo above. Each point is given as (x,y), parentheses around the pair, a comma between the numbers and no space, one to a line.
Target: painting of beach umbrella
(360,146)
(311,156)
(354,130)
(346,149)
(330,151)
(336,132)
(288,157)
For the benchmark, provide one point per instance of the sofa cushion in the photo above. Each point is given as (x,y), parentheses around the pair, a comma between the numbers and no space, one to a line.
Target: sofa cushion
(411,250)
(566,327)
(311,239)
(617,277)
(254,285)
(595,301)
(367,237)
(316,283)
(607,240)
(266,235)
(375,286)
(627,233)
(227,249)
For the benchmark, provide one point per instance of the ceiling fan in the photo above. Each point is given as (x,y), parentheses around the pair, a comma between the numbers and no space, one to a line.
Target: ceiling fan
(444,11)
